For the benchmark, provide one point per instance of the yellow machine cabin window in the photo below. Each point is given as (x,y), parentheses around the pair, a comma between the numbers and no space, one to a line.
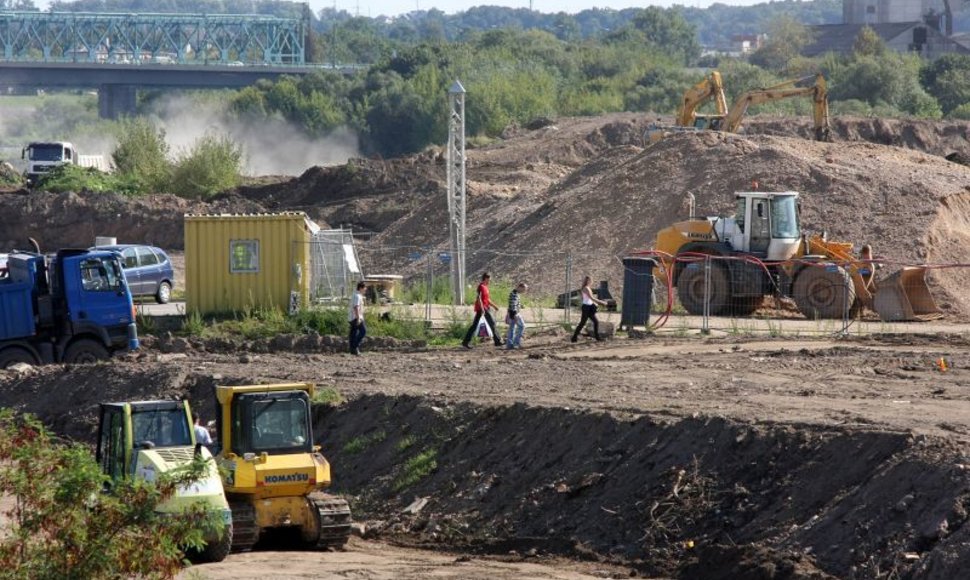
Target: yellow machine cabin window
(161,428)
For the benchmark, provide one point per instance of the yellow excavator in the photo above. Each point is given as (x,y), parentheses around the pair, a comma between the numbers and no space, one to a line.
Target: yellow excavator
(711,88)
(729,120)
(762,251)
(273,473)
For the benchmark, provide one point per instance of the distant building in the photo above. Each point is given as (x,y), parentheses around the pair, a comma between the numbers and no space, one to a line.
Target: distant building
(888,11)
(915,36)
(746,43)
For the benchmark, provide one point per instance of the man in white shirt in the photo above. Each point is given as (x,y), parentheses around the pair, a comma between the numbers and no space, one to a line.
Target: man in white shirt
(355,316)
(202,432)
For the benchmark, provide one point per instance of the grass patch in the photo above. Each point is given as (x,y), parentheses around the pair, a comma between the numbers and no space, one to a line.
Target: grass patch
(363,442)
(406,443)
(327,396)
(417,468)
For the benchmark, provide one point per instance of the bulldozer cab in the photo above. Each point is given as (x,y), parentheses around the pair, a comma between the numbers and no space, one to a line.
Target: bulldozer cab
(124,428)
(275,423)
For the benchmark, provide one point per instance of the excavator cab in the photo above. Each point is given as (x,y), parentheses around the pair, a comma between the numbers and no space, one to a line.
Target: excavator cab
(273,473)
(145,439)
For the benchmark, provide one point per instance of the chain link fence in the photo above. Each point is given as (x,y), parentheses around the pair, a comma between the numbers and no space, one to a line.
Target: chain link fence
(735,295)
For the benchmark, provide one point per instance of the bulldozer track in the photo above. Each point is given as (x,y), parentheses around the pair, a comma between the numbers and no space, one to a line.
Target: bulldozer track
(333,516)
(244,530)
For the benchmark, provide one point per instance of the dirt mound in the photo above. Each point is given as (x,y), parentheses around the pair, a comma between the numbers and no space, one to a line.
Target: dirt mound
(73,220)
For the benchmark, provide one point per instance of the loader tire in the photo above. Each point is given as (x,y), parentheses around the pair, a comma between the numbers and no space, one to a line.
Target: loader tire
(215,551)
(824,292)
(244,530)
(691,286)
(333,521)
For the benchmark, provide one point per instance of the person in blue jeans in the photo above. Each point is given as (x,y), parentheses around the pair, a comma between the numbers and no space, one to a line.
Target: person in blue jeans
(514,317)
(355,316)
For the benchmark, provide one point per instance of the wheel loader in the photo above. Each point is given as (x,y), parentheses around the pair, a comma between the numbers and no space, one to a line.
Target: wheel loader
(273,474)
(145,439)
(761,251)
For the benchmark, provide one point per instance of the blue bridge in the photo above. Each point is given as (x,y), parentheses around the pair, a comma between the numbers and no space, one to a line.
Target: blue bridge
(120,53)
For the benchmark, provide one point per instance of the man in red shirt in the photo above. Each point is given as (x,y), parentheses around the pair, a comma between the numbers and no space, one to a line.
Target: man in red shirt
(482,305)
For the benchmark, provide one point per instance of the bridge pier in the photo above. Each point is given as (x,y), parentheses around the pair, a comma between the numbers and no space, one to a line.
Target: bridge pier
(116,101)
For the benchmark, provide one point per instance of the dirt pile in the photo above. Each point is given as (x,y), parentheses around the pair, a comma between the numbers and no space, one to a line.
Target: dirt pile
(586,189)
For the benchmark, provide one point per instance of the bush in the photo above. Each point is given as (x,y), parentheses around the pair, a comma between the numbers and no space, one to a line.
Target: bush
(211,166)
(64,525)
(142,156)
(73,178)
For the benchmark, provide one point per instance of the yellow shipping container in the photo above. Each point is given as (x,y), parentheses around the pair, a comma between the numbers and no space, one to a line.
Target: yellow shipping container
(233,262)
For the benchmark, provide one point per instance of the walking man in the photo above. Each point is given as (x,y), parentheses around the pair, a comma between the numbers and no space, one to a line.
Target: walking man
(355,316)
(514,318)
(483,304)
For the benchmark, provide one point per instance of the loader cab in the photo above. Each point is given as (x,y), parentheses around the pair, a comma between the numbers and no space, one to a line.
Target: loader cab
(764,224)
(126,428)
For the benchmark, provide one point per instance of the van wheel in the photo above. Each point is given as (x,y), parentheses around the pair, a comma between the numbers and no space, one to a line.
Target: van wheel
(14,355)
(85,351)
(164,293)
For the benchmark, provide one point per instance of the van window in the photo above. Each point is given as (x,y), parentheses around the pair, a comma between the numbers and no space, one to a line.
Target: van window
(146,257)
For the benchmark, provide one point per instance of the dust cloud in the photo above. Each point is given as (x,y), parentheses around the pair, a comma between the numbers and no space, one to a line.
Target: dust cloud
(270,147)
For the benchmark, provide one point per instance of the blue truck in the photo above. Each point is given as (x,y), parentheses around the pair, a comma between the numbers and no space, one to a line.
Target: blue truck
(73,307)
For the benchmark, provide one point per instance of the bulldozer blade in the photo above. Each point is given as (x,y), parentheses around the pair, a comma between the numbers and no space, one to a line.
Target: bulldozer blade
(905,296)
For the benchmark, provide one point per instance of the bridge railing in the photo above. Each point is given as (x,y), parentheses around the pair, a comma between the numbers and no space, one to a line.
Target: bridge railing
(83,37)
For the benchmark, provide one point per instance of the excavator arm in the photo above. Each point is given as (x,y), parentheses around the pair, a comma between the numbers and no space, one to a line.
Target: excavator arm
(787,89)
(709,88)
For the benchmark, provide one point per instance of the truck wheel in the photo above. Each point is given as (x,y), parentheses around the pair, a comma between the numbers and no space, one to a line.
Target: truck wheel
(690,289)
(823,292)
(164,293)
(85,351)
(14,355)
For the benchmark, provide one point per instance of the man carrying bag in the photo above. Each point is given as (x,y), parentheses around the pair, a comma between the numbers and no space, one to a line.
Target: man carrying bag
(483,304)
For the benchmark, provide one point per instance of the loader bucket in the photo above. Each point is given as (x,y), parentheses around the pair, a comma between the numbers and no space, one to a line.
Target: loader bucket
(905,296)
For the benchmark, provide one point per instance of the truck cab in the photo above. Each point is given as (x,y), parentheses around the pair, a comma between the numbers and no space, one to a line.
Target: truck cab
(42,156)
(73,307)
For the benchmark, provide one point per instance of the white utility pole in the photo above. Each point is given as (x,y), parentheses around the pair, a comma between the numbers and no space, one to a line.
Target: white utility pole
(456,188)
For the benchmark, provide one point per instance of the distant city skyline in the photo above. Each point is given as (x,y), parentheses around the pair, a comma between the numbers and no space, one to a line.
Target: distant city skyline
(374,8)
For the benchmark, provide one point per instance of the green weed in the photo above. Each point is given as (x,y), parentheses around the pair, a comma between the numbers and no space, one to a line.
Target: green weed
(327,396)
(417,468)
(364,442)
(405,443)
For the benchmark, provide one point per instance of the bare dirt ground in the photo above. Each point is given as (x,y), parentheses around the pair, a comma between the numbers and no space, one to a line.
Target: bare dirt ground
(662,457)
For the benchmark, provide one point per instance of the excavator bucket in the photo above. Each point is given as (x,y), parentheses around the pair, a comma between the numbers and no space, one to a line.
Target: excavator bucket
(905,296)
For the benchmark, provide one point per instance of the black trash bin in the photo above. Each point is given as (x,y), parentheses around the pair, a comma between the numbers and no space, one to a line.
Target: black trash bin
(637,291)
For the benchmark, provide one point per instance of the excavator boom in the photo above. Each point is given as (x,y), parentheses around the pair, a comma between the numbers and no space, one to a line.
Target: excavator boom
(813,85)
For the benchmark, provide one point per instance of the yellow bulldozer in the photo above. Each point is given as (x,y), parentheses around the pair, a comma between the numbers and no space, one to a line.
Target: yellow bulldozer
(729,119)
(726,266)
(273,474)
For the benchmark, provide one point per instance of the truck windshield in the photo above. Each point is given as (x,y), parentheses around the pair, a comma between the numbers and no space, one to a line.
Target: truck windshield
(101,275)
(52,152)
(784,218)
(161,428)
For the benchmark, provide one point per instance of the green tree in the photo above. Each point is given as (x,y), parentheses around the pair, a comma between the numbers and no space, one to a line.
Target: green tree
(211,166)
(889,83)
(64,526)
(786,39)
(666,30)
(868,43)
(141,156)
(948,79)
